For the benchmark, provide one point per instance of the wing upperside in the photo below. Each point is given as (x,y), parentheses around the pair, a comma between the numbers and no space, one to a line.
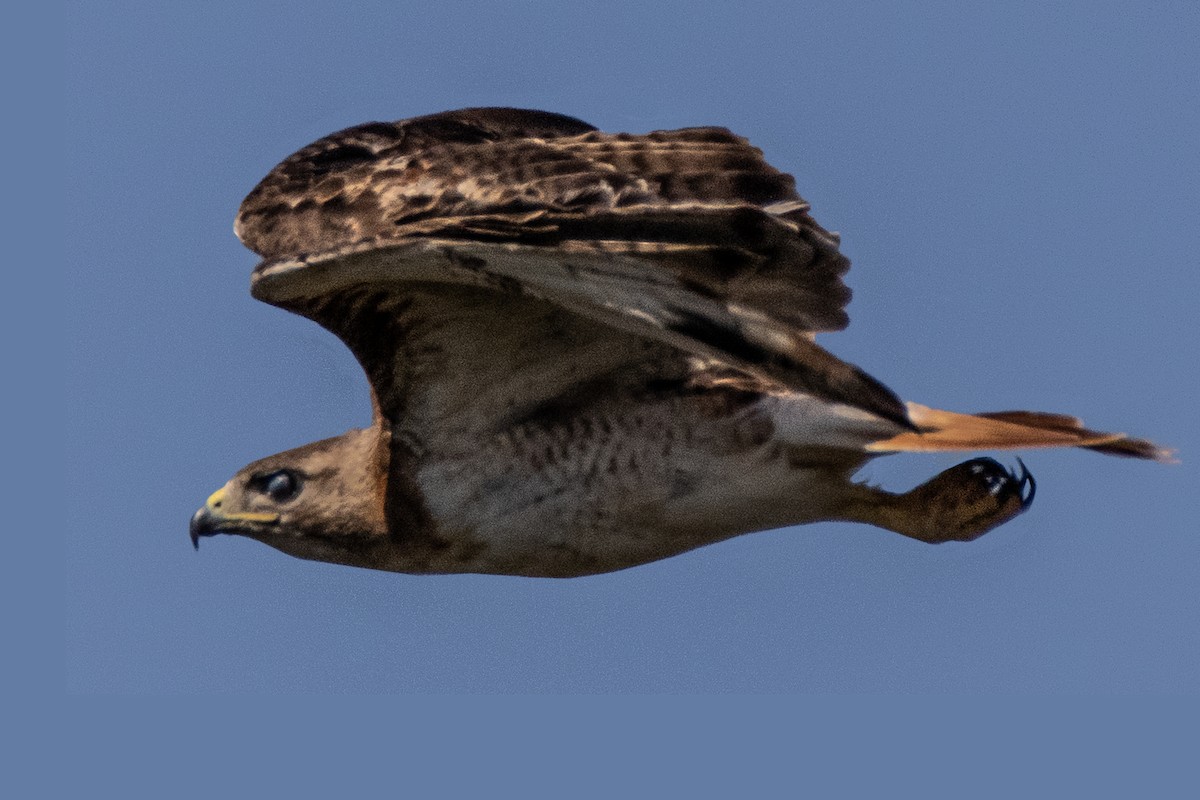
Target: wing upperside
(504,175)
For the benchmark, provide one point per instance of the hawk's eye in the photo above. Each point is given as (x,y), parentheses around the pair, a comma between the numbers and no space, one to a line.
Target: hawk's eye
(279,486)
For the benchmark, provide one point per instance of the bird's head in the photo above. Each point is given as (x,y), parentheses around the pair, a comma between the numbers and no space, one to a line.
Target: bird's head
(323,501)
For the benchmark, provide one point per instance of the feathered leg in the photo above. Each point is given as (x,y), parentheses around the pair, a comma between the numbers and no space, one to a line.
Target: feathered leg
(958,505)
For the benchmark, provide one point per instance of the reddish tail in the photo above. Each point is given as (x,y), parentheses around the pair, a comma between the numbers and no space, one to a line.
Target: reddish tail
(1010,430)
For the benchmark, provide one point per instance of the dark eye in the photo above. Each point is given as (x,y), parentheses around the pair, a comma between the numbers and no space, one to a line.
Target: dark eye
(279,486)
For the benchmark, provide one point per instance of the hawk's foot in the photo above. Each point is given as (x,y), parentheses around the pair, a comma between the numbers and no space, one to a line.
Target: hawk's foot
(957,505)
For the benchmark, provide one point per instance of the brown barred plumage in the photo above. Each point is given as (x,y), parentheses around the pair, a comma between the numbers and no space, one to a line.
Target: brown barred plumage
(586,351)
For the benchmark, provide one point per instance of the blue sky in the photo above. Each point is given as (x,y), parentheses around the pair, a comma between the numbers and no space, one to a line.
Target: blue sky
(1016,189)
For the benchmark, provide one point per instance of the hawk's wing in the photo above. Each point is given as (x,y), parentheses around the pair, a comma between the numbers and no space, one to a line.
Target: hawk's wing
(519,255)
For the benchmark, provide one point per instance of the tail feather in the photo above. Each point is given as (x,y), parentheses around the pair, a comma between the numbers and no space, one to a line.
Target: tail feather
(1010,430)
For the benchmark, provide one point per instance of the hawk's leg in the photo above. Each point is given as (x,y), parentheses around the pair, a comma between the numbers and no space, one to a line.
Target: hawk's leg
(958,505)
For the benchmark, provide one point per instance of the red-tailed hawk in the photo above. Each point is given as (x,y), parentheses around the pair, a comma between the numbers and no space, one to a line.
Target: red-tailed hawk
(587,351)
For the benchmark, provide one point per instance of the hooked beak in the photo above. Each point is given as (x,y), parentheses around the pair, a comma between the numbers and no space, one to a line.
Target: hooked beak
(211,519)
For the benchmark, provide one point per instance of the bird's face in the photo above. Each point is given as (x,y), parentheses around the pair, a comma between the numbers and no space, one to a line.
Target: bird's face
(323,501)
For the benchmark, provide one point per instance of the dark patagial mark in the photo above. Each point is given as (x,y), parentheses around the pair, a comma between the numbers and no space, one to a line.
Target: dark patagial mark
(724,337)
(371,324)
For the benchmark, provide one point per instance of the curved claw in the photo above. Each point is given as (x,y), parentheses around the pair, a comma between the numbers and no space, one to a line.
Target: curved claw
(1025,480)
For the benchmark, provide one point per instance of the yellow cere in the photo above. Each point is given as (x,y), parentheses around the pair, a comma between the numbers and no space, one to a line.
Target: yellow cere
(216,498)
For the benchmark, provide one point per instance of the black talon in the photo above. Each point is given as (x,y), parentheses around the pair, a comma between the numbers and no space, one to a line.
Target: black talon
(1026,479)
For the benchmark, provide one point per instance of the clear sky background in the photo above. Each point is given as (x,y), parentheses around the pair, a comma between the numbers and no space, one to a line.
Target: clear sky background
(1015,184)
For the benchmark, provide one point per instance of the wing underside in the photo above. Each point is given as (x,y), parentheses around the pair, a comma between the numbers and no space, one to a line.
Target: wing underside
(624,299)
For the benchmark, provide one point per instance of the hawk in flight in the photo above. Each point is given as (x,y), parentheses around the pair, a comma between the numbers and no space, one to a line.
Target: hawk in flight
(586,351)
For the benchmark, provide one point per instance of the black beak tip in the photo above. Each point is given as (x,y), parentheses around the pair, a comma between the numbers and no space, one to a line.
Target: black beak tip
(198,527)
